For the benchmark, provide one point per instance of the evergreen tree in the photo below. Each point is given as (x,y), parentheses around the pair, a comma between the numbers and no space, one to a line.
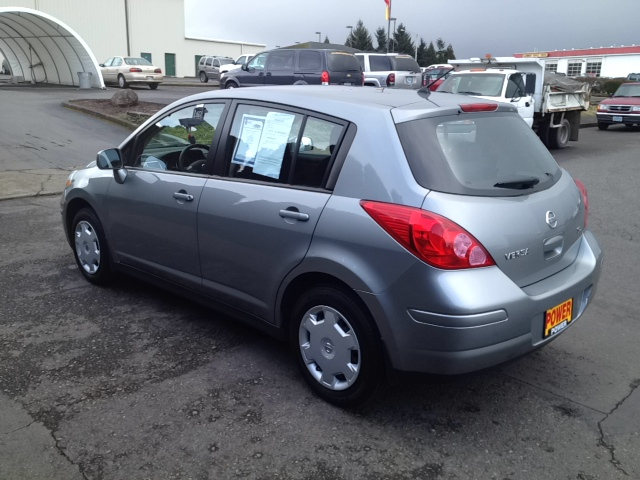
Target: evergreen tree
(431,55)
(441,52)
(381,39)
(360,38)
(403,42)
(326,39)
(423,60)
(450,54)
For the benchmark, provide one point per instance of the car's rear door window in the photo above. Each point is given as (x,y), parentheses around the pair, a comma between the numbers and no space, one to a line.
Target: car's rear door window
(310,60)
(278,146)
(482,154)
(380,63)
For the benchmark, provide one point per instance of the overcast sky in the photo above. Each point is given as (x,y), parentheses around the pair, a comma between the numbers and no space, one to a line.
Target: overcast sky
(473,27)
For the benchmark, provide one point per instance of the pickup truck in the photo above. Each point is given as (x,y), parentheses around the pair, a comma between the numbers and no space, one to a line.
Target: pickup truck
(550,104)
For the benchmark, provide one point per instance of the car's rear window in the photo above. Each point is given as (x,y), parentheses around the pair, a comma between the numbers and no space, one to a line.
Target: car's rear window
(493,154)
(343,62)
(404,64)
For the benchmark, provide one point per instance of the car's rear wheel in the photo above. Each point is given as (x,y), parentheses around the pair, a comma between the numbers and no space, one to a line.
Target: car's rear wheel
(122,83)
(90,247)
(559,137)
(602,126)
(153,86)
(203,77)
(336,346)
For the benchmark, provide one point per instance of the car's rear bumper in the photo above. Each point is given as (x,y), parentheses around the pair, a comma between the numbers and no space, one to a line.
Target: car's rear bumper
(144,78)
(484,319)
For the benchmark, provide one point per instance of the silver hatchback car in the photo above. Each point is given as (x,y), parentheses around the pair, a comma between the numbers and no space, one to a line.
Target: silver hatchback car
(371,228)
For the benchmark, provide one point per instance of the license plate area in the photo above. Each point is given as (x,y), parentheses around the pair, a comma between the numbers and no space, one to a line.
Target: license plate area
(617,119)
(558,318)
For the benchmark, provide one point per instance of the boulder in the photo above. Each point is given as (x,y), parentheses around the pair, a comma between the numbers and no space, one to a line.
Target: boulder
(125,98)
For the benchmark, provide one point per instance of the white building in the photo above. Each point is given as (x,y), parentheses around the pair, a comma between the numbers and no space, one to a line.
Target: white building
(53,40)
(591,62)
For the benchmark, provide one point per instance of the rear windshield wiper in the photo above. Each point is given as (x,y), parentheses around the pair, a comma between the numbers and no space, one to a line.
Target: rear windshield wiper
(470,93)
(519,184)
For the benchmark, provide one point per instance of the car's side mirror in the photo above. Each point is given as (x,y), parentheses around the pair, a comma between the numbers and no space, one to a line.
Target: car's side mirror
(244,67)
(111,159)
(101,65)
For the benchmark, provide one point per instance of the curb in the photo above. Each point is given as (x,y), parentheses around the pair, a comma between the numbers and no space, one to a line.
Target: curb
(101,116)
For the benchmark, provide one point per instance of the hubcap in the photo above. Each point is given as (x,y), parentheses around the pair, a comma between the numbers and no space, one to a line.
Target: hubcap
(87,247)
(329,348)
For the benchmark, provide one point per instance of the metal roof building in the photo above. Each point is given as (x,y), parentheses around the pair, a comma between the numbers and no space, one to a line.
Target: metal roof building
(52,41)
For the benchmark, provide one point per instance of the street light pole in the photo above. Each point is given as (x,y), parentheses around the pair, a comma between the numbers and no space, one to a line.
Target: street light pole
(393,40)
(350,27)
(319,35)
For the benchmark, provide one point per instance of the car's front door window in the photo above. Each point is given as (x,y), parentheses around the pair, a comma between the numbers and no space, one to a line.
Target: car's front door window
(180,141)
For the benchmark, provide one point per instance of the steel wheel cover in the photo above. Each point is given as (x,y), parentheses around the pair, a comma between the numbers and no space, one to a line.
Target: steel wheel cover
(87,247)
(329,348)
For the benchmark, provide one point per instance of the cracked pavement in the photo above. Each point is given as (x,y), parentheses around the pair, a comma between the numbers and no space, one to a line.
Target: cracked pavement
(130,382)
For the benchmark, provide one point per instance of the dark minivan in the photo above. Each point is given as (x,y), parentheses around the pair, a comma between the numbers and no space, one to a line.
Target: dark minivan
(291,66)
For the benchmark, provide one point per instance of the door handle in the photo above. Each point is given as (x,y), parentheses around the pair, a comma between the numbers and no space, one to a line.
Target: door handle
(294,215)
(183,196)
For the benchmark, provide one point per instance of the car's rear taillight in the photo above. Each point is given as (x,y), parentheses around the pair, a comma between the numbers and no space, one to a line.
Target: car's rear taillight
(432,238)
(135,70)
(325,78)
(157,70)
(391,80)
(585,199)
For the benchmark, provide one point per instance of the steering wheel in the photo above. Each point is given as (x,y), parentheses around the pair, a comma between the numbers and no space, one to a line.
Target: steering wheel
(182,160)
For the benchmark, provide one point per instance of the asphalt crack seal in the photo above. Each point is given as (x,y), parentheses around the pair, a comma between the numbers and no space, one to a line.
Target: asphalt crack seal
(602,442)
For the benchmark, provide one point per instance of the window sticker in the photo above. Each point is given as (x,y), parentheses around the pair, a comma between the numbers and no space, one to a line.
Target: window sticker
(273,142)
(248,140)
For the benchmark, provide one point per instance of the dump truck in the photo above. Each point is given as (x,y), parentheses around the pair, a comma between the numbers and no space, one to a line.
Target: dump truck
(551,104)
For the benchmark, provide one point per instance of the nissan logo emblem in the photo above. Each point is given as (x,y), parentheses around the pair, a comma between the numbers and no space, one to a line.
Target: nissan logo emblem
(552,221)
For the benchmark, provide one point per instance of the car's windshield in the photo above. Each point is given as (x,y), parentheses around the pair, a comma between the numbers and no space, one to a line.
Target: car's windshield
(480,84)
(136,61)
(485,155)
(628,90)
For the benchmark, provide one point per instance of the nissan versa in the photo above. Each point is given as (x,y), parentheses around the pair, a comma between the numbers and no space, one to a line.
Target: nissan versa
(372,228)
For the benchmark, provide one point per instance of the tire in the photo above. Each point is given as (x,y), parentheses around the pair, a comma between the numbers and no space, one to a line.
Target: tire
(559,137)
(90,247)
(336,347)
(153,86)
(230,85)
(203,77)
(602,126)
(122,83)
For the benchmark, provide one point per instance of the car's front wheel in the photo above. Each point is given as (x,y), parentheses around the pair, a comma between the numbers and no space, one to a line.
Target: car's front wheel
(230,85)
(203,77)
(90,247)
(336,346)
(122,83)
(602,126)
(153,86)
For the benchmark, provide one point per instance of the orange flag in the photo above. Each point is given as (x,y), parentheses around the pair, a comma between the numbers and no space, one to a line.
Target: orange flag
(388,9)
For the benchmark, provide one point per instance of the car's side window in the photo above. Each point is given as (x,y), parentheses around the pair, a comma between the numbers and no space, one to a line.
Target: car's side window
(108,62)
(276,146)
(209,62)
(379,63)
(180,141)
(515,86)
(216,62)
(310,60)
(258,62)
(116,62)
(281,60)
